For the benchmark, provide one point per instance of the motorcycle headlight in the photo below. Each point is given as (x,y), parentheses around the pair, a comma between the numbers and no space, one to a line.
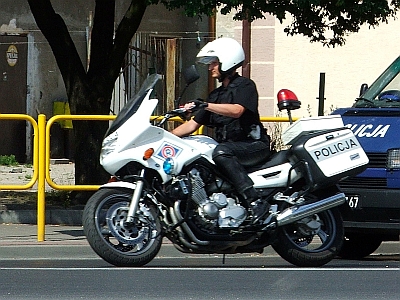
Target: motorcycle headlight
(168,166)
(393,159)
(109,144)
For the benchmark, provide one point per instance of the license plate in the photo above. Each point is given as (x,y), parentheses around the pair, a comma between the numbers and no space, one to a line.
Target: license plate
(353,201)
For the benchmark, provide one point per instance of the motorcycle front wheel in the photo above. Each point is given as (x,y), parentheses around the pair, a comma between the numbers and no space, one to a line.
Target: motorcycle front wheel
(117,242)
(313,241)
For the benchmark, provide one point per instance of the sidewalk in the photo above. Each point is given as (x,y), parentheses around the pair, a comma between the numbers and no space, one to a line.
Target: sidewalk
(20,206)
(62,172)
(26,234)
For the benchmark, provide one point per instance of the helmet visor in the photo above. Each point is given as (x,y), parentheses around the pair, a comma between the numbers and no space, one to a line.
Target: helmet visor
(207,59)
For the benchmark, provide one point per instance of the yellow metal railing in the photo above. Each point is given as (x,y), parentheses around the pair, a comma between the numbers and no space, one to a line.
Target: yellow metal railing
(41,157)
(35,151)
(47,154)
(276,119)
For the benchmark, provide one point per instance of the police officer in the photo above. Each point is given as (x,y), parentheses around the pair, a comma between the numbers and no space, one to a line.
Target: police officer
(232,109)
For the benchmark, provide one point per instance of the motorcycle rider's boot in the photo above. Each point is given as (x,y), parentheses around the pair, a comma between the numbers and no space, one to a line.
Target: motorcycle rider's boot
(258,207)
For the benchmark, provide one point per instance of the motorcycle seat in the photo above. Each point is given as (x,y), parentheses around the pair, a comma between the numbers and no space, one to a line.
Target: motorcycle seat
(275,159)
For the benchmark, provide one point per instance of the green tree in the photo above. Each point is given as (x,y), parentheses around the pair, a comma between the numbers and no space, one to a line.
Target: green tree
(325,21)
(89,90)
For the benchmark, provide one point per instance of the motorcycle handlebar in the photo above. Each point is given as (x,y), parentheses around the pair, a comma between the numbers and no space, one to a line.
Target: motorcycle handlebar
(180,112)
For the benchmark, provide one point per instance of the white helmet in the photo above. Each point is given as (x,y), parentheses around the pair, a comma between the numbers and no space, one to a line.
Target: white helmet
(228,51)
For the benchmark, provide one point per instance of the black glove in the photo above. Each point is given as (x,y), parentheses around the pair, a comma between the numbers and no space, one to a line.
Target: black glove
(199,103)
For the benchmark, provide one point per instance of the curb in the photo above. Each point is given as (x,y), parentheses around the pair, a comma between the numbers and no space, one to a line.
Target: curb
(53,217)
(20,207)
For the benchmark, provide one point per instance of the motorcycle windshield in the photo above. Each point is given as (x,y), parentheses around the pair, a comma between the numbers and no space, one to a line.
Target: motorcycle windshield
(132,106)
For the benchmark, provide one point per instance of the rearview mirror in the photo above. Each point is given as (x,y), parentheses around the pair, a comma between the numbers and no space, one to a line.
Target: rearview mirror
(363,89)
(190,74)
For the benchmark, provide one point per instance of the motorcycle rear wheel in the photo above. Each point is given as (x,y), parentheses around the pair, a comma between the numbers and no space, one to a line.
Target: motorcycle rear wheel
(308,248)
(118,243)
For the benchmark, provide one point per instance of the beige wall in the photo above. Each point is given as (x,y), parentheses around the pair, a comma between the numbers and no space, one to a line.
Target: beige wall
(280,61)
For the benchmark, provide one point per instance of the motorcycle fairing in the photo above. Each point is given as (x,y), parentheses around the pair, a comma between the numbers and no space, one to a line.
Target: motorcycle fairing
(142,135)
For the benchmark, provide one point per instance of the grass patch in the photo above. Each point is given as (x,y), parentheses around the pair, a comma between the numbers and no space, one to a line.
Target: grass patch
(8,160)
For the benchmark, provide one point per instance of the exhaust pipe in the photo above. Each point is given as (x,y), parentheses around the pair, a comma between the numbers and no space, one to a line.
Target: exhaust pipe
(295,213)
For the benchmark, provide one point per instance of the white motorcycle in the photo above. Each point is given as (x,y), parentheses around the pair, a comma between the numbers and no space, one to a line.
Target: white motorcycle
(167,186)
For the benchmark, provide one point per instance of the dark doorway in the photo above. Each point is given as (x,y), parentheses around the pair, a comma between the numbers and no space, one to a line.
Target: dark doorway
(13,89)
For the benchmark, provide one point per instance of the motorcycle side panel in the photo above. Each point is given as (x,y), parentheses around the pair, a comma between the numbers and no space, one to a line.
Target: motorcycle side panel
(205,144)
(274,177)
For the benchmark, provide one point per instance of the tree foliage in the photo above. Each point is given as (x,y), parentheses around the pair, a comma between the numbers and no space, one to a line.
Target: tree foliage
(325,21)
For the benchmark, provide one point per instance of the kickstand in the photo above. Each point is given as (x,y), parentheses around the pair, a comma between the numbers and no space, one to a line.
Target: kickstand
(223,259)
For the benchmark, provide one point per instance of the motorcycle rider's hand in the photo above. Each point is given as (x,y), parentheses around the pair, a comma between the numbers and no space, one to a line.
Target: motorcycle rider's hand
(196,104)
(183,112)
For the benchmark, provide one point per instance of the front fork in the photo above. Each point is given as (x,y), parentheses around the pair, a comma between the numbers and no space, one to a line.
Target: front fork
(135,198)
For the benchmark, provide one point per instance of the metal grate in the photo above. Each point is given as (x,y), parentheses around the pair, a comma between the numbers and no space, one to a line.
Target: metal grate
(377,160)
(364,182)
(198,194)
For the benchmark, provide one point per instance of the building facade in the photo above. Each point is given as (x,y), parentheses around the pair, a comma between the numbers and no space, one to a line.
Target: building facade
(279,61)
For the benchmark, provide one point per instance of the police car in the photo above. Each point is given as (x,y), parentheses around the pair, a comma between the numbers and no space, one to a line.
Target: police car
(374,195)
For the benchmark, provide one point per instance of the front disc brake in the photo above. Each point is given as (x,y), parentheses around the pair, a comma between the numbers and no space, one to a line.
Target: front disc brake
(131,234)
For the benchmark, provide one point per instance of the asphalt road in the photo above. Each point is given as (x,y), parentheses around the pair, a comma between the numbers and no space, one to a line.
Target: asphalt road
(199,283)
(64,267)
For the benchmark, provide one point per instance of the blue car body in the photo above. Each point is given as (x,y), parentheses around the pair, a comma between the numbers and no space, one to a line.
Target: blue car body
(374,195)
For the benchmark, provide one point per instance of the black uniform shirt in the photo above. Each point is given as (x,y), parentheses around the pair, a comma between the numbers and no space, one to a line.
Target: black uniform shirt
(241,90)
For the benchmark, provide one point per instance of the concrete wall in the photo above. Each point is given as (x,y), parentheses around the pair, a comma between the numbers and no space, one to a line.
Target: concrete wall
(280,61)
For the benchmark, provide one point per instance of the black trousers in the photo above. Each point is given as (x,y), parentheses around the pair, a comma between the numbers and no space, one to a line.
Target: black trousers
(232,158)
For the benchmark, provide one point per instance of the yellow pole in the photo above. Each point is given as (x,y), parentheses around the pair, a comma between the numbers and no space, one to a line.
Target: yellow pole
(41,213)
